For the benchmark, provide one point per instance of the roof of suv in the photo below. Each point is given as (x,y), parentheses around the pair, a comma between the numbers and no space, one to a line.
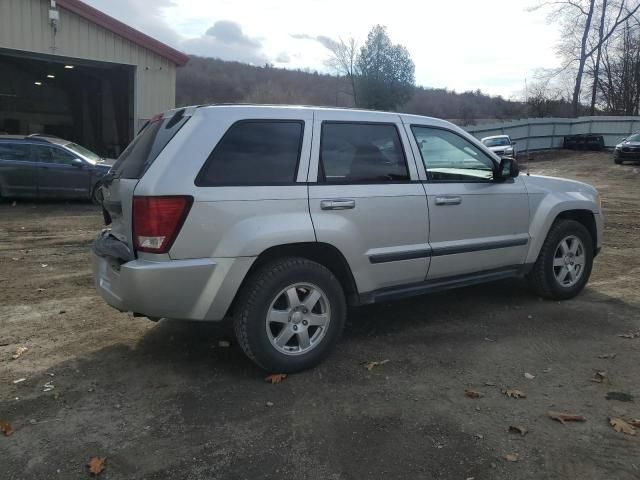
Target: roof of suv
(257,107)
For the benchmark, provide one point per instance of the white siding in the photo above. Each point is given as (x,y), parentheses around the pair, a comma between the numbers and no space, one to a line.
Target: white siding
(24,25)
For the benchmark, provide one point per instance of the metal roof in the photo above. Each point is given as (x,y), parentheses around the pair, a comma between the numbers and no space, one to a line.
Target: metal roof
(105,21)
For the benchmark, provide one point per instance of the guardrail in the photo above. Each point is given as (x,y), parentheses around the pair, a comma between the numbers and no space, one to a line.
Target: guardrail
(547,133)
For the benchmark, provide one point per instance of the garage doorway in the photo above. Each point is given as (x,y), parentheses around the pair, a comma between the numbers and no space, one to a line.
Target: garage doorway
(90,103)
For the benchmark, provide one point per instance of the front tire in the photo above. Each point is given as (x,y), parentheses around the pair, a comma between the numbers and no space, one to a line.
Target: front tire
(617,160)
(96,194)
(289,315)
(564,263)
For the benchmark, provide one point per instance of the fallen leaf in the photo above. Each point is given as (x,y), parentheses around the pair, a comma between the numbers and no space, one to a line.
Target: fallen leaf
(19,380)
(96,465)
(514,393)
(528,376)
(621,426)
(600,377)
(490,384)
(269,404)
(512,457)
(44,265)
(370,365)
(608,355)
(19,352)
(620,396)
(275,378)
(6,428)
(471,393)
(518,429)
(635,422)
(566,417)
(224,343)
(630,334)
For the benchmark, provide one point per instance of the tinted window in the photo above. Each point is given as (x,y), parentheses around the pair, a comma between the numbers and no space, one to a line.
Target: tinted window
(48,154)
(451,158)
(15,151)
(254,153)
(359,152)
(145,148)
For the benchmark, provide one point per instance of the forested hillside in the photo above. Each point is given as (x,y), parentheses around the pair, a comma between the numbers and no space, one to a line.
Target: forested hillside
(208,80)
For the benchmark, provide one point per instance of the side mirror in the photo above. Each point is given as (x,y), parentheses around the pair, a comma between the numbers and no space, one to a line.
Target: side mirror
(513,144)
(508,168)
(76,162)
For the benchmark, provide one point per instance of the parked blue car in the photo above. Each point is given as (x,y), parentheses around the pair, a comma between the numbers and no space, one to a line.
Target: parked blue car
(38,166)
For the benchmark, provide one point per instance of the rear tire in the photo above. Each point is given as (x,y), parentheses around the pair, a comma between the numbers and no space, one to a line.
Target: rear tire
(289,315)
(564,263)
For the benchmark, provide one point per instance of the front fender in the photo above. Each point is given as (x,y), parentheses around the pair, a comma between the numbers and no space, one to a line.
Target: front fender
(545,208)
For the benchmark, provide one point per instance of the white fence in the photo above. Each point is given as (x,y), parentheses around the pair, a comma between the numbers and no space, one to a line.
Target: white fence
(547,133)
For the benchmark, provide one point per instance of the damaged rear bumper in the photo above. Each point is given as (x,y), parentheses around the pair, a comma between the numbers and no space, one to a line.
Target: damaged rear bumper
(191,289)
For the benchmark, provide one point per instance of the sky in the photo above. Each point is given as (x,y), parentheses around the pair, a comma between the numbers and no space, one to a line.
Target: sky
(491,45)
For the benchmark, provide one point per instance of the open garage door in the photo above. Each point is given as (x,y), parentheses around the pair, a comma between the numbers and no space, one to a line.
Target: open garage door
(90,103)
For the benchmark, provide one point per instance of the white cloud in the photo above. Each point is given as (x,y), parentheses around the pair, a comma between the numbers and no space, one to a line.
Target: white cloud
(226,40)
(464,45)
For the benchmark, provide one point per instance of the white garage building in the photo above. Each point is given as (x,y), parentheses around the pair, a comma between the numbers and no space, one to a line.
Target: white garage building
(69,70)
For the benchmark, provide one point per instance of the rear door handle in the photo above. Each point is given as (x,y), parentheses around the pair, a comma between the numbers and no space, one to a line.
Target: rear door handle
(339,204)
(448,200)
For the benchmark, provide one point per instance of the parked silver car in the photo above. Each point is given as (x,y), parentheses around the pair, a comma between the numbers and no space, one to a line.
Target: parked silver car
(280,217)
(501,145)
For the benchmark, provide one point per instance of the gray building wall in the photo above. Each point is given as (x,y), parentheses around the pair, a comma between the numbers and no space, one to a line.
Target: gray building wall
(24,26)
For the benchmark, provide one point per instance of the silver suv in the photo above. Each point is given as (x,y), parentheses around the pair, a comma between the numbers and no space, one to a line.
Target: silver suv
(281,217)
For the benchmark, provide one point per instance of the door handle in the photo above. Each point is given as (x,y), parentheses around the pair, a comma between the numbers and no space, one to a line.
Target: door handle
(448,200)
(339,204)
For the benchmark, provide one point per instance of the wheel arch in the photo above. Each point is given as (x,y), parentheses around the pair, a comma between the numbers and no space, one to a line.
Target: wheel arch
(580,213)
(323,253)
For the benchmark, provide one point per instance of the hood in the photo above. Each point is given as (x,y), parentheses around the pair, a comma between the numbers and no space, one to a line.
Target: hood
(544,184)
(626,143)
(500,148)
(108,161)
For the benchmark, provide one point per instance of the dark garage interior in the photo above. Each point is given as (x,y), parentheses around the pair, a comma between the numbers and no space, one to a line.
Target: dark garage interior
(87,102)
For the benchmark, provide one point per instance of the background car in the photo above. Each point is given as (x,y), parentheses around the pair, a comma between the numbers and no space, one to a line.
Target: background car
(38,166)
(628,149)
(501,145)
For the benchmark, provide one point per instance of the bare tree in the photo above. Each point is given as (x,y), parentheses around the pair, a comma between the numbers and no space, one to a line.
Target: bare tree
(576,18)
(344,56)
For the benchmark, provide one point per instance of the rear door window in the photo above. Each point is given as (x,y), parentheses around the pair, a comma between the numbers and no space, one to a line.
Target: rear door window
(48,154)
(255,152)
(14,151)
(361,153)
(147,145)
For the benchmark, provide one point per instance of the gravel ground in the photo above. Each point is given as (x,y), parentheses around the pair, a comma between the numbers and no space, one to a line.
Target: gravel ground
(165,400)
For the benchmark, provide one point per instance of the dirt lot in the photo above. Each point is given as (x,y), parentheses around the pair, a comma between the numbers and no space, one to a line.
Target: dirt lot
(166,401)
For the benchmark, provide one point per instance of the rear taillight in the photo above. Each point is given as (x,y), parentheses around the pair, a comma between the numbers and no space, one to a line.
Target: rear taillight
(157,221)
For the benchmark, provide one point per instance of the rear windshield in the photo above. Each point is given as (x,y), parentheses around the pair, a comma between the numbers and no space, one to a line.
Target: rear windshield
(147,145)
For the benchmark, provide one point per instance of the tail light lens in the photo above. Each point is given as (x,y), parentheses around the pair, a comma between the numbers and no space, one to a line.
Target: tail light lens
(157,221)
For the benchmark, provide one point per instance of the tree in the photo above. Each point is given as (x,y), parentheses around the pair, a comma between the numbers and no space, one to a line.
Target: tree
(344,55)
(386,73)
(579,38)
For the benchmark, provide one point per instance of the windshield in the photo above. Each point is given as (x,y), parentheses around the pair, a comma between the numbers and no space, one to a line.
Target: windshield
(634,138)
(86,154)
(497,142)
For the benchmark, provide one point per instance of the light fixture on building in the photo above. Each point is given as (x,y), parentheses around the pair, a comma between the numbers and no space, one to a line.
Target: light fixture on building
(51,76)
(69,67)
(37,83)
